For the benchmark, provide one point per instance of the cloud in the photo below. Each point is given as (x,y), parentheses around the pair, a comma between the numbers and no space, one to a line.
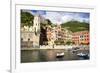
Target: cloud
(55,17)
(66,18)
(61,17)
(41,12)
(34,12)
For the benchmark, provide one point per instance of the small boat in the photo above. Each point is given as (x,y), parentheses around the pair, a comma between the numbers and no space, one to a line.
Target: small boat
(83,55)
(60,55)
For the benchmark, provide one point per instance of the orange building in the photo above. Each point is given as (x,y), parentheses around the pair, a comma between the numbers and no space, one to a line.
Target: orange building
(81,37)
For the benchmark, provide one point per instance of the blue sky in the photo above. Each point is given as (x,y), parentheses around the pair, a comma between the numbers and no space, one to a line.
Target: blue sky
(58,17)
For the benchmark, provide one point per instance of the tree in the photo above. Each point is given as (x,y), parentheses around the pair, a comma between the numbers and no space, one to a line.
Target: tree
(59,42)
(68,42)
(48,22)
(26,19)
(75,26)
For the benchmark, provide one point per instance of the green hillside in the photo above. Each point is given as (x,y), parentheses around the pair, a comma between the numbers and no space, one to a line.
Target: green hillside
(26,19)
(75,26)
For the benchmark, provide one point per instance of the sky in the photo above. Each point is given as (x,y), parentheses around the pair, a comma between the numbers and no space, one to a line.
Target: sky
(59,17)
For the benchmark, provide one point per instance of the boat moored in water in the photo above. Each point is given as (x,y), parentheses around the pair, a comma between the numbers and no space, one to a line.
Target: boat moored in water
(60,55)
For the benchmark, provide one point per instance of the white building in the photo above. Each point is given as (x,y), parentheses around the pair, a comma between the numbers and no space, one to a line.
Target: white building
(30,35)
(36,23)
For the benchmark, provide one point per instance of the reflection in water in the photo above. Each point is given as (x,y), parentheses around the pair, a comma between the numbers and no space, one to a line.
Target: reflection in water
(49,55)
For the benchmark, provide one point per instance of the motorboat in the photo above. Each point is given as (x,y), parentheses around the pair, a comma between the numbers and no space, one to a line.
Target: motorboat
(60,55)
(83,55)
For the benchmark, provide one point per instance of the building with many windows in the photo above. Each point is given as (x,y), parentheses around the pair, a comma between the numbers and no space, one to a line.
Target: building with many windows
(58,35)
(81,37)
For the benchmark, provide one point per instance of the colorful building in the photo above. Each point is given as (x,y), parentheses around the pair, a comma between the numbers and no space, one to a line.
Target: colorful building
(58,34)
(81,37)
(51,35)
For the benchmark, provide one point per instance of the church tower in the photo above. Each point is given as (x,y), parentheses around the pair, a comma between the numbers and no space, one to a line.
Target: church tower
(36,23)
(36,30)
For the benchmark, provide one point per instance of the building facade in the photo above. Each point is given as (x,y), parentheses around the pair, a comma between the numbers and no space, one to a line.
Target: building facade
(58,35)
(30,35)
(81,37)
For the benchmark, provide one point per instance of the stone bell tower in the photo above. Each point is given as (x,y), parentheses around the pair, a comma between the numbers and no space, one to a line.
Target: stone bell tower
(36,30)
(36,23)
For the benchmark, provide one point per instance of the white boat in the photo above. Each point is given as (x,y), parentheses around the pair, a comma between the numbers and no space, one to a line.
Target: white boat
(60,55)
(81,54)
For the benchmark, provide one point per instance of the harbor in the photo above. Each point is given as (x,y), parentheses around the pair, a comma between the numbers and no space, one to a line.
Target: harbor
(54,38)
(45,55)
